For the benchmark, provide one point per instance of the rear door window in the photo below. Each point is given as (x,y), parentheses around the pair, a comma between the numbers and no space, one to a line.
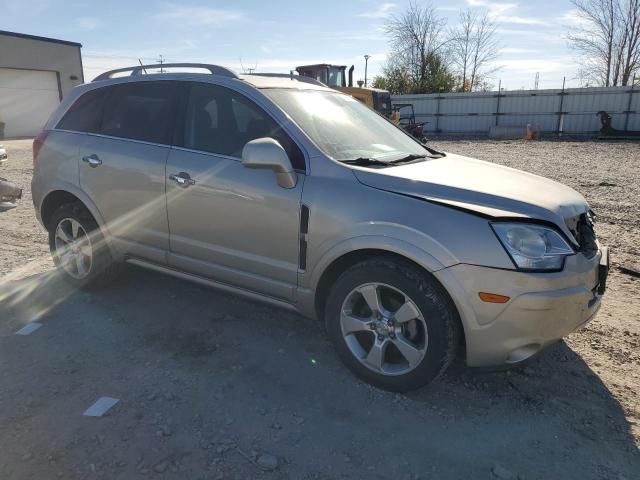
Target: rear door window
(140,111)
(85,115)
(220,120)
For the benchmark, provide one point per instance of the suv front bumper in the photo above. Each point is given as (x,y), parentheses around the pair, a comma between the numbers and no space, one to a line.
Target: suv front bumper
(543,307)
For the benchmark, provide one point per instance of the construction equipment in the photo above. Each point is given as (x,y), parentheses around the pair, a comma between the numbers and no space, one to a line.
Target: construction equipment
(334,76)
(407,121)
(607,132)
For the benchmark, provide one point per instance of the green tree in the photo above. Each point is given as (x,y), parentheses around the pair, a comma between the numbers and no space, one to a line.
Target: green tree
(435,78)
(394,79)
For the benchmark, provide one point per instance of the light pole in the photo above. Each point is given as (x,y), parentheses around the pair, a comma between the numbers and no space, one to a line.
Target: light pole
(366,64)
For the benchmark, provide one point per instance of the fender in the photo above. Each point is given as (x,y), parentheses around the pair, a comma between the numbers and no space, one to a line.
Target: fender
(309,281)
(377,242)
(74,190)
(382,235)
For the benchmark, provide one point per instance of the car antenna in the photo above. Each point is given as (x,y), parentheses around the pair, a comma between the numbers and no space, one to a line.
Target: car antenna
(145,70)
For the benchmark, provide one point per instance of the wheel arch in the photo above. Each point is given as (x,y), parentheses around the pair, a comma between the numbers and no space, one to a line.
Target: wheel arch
(347,260)
(52,200)
(352,250)
(58,196)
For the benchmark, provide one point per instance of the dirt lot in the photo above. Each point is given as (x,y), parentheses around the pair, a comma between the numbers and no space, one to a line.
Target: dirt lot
(212,386)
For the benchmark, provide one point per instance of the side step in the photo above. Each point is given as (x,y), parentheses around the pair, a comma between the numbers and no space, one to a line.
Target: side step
(213,284)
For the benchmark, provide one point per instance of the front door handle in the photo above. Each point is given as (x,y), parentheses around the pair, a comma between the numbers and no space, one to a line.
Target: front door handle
(93,160)
(183,179)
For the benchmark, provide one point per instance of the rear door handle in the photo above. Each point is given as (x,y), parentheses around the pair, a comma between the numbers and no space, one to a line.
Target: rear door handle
(93,160)
(183,179)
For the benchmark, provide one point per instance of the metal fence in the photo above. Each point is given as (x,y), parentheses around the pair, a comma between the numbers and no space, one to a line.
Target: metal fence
(569,111)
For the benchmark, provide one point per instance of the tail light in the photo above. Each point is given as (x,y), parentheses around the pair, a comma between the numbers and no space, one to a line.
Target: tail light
(38,142)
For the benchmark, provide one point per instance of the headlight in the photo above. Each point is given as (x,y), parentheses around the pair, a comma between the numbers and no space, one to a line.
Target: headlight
(533,247)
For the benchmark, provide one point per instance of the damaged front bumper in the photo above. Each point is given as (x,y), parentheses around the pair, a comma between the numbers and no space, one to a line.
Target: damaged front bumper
(9,195)
(542,307)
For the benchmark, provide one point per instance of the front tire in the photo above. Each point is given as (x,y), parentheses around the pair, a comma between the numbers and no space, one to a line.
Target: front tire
(392,324)
(78,248)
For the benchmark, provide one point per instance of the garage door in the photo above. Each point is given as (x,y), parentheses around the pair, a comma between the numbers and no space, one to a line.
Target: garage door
(27,98)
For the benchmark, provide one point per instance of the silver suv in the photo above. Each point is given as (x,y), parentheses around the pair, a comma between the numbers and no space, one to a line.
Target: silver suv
(285,191)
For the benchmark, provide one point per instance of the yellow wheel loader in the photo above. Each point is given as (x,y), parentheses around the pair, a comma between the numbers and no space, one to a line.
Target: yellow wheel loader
(335,76)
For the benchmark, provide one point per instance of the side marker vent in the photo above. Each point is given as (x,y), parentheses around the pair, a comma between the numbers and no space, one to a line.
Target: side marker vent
(304,231)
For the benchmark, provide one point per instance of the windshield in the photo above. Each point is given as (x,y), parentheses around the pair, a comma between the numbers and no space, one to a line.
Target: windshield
(343,128)
(336,77)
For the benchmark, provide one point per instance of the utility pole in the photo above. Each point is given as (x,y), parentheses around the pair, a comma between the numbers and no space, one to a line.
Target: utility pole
(366,64)
(248,70)
(161,61)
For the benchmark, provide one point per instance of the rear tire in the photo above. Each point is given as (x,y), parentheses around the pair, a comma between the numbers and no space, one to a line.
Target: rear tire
(392,324)
(78,248)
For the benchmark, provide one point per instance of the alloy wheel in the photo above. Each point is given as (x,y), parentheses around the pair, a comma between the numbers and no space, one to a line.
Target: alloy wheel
(384,329)
(73,248)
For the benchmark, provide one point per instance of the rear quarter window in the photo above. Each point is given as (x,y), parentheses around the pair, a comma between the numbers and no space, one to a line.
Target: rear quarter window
(140,111)
(85,115)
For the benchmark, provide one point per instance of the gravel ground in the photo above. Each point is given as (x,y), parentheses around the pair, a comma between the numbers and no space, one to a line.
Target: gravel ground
(214,387)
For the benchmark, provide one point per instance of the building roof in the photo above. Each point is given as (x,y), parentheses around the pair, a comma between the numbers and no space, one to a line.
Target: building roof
(41,39)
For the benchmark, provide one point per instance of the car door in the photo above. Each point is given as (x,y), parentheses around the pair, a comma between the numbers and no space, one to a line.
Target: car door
(227,222)
(122,165)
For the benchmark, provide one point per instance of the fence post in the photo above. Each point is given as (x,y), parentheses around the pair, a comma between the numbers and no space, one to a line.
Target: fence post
(437,130)
(626,114)
(498,102)
(560,127)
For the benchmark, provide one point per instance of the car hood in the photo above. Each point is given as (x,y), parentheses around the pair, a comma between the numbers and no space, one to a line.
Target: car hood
(483,188)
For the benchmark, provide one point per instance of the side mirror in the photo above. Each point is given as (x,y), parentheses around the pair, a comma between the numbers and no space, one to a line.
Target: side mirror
(267,153)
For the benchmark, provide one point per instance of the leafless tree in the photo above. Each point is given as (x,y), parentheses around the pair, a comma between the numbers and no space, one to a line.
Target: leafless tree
(415,36)
(607,37)
(473,48)
(460,47)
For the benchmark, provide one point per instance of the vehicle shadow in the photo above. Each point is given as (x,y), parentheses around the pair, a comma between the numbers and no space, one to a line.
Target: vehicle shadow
(275,384)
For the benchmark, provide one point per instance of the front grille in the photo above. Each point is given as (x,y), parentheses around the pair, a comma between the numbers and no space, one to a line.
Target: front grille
(585,235)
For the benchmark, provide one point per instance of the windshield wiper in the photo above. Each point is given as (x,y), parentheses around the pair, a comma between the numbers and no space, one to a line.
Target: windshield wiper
(365,162)
(413,157)
(409,158)
(434,153)
(368,162)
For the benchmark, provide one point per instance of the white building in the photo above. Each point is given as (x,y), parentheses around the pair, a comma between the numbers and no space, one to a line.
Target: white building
(35,73)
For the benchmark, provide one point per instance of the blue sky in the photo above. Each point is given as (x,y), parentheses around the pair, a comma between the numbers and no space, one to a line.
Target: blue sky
(276,35)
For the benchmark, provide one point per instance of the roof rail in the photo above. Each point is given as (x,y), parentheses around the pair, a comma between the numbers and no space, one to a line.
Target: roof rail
(141,69)
(291,76)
